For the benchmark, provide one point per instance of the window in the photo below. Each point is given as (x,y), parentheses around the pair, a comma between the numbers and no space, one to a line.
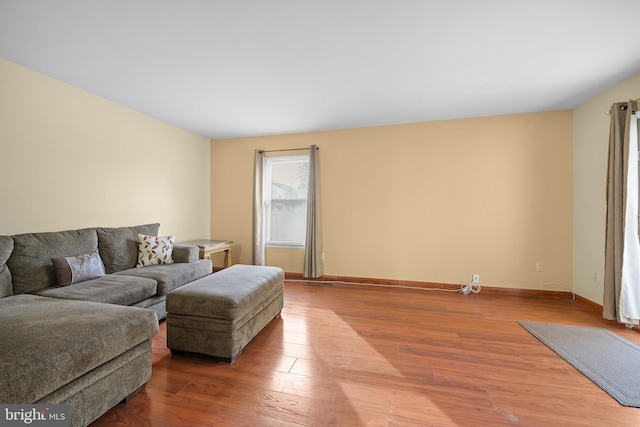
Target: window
(285,194)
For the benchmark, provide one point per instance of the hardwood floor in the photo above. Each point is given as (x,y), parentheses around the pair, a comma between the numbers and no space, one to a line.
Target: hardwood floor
(351,355)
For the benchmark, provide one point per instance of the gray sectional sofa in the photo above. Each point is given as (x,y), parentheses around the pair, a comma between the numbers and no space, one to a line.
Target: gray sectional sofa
(87,344)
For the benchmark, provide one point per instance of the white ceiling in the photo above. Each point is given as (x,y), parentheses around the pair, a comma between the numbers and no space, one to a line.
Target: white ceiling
(259,67)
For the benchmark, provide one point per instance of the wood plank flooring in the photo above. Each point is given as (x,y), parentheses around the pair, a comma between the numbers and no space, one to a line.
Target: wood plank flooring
(352,355)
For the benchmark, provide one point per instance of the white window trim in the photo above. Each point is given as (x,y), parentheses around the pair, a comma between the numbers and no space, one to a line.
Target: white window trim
(267,202)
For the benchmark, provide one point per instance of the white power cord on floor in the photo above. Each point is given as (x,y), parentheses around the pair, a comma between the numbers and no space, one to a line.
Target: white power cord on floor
(470,288)
(467,289)
(559,285)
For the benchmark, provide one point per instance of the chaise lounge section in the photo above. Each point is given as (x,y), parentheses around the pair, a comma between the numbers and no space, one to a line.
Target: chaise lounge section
(85,354)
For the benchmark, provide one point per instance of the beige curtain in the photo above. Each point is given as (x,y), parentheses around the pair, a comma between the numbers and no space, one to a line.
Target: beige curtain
(313,263)
(618,217)
(258,209)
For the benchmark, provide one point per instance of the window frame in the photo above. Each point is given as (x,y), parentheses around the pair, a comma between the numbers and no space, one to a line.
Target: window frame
(267,200)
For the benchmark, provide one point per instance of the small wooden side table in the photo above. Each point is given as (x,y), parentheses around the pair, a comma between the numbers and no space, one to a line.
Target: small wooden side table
(208,247)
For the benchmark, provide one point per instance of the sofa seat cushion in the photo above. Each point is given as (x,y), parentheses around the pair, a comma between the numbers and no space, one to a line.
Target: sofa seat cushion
(110,289)
(48,342)
(171,276)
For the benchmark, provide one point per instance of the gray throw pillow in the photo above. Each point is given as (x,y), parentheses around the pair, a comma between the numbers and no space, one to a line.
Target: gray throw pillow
(76,269)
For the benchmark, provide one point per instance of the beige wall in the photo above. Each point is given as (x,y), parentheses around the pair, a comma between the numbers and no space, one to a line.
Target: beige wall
(591,144)
(433,202)
(71,159)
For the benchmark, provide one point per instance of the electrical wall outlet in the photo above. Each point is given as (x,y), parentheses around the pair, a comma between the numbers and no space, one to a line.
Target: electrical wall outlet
(475,278)
(539,266)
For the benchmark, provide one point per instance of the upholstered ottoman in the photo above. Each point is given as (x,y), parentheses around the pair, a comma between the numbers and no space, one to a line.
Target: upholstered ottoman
(219,314)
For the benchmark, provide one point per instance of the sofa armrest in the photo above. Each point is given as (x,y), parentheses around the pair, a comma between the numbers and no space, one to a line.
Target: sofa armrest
(185,253)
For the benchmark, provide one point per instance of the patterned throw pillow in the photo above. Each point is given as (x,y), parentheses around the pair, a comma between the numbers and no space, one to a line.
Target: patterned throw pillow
(75,269)
(154,250)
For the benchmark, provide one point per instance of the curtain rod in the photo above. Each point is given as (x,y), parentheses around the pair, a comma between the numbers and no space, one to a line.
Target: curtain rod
(624,107)
(287,149)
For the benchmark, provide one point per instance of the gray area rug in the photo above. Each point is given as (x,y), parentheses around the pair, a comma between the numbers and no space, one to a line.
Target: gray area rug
(604,357)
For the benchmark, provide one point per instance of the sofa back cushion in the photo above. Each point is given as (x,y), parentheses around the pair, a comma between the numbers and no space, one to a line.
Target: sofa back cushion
(118,247)
(6,247)
(30,261)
